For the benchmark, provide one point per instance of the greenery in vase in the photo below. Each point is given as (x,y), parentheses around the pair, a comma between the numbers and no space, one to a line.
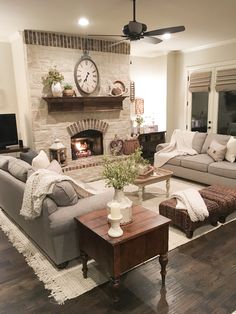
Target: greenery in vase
(122,172)
(53,76)
(138,158)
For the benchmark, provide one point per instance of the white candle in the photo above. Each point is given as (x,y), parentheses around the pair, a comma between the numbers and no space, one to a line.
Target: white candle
(115,210)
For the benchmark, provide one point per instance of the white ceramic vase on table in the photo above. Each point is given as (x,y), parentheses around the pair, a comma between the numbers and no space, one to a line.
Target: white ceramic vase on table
(125,206)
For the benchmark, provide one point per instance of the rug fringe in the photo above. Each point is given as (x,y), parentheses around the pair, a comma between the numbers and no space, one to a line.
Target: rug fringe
(33,258)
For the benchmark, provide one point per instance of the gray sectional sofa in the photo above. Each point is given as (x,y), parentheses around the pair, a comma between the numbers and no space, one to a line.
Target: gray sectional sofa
(55,231)
(201,167)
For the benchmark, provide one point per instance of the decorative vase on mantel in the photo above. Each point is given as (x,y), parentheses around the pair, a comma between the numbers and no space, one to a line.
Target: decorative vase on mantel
(125,206)
(56,89)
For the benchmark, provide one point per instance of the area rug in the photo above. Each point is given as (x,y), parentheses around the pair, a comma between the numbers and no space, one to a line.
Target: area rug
(69,283)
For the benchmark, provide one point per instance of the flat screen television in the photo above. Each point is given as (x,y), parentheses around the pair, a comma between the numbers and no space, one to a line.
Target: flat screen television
(8,130)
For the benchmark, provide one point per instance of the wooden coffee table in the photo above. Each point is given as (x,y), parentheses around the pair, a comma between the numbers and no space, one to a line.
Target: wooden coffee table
(158,176)
(144,238)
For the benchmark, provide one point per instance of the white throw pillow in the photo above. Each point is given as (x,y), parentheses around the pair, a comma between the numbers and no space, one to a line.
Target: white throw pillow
(41,161)
(231,149)
(55,166)
(216,151)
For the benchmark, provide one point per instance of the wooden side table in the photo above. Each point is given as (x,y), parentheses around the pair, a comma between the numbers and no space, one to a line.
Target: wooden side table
(144,238)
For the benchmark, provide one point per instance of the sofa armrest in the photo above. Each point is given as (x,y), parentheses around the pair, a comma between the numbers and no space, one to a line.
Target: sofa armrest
(63,219)
(161,146)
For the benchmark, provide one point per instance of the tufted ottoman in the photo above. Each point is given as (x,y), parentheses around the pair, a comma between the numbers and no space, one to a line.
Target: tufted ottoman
(220,201)
(224,196)
(181,219)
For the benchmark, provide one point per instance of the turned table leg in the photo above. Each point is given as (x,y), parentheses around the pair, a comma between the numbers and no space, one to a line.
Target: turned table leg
(167,187)
(84,257)
(163,260)
(115,288)
(140,193)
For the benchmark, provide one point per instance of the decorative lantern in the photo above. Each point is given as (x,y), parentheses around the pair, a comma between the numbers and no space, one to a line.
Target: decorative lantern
(58,151)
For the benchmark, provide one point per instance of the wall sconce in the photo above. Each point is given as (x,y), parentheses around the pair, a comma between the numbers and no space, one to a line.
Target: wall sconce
(132,91)
(139,106)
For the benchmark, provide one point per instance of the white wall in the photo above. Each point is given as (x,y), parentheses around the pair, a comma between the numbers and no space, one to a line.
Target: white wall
(150,77)
(8,102)
(22,88)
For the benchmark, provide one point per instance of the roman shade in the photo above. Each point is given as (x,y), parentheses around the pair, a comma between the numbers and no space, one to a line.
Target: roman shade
(200,82)
(226,80)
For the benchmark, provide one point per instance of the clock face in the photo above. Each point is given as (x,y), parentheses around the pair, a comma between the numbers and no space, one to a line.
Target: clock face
(86,75)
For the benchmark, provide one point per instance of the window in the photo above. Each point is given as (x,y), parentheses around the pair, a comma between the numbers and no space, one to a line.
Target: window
(227,113)
(199,111)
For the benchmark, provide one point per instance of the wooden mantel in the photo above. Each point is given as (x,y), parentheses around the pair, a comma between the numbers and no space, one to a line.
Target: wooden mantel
(90,103)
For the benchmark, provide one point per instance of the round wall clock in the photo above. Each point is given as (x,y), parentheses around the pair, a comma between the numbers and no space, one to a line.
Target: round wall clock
(86,75)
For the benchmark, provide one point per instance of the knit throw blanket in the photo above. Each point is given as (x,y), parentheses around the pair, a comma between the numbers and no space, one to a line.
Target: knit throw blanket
(180,144)
(191,200)
(38,186)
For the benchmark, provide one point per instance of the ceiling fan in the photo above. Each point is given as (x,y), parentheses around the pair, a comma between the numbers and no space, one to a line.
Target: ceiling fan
(136,31)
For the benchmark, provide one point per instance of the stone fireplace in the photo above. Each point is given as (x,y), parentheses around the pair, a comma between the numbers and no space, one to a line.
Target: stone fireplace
(94,128)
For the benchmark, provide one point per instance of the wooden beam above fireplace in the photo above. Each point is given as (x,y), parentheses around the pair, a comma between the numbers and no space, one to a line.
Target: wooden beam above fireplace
(90,103)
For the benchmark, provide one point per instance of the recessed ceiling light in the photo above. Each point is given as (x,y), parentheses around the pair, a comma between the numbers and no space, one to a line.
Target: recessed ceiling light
(167,36)
(83,21)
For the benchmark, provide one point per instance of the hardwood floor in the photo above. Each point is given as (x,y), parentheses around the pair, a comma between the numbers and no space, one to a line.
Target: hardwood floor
(201,278)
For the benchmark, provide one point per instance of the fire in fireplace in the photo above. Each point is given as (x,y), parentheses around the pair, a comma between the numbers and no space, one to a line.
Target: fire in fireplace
(86,143)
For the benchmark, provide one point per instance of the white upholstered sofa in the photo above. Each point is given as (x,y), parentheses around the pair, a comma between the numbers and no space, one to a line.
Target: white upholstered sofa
(202,167)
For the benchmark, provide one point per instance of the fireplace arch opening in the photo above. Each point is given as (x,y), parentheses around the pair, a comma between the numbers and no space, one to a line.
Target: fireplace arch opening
(86,143)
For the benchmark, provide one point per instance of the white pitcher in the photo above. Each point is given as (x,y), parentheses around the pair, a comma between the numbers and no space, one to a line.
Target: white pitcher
(56,89)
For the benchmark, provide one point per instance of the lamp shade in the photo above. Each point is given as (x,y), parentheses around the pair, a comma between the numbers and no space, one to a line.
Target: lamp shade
(139,106)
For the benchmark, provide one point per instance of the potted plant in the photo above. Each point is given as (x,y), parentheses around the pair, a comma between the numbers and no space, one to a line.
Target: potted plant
(68,90)
(139,120)
(118,174)
(142,164)
(53,80)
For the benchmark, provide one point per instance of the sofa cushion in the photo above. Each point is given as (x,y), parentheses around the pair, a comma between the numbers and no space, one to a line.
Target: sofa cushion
(62,220)
(19,169)
(198,162)
(231,149)
(64,194)
(176,161)
(28,156)
(223,169)
(4,160)
(198,140)
(216,151)
(41,161)
(220,138)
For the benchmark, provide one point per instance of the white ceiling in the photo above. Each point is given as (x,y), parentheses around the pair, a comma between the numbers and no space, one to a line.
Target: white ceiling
(207,22)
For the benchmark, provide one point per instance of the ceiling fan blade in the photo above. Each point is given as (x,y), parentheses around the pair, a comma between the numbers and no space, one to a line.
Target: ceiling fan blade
(162,31)
(93,35)
(118,42)
(152,40)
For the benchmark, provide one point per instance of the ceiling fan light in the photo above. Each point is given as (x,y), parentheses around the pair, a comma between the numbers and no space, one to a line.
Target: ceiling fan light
(166,36)
(83,21)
